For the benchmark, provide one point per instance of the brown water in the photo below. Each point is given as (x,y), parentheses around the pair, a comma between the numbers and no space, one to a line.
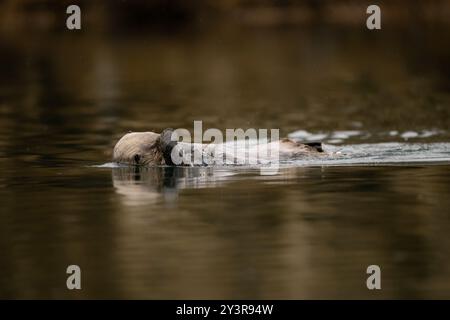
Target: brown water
(309,231)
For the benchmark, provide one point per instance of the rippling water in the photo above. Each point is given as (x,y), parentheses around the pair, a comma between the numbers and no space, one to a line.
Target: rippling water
(307,231)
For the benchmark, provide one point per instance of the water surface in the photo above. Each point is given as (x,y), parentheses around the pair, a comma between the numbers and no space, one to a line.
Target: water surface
(308,231)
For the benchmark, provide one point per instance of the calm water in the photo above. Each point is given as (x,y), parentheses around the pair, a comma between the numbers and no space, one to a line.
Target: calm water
(309,231)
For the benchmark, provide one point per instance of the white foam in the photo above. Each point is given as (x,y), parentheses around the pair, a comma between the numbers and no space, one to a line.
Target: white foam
(109,165)
(340,136)
(345,134)
(409,134)
(430,133)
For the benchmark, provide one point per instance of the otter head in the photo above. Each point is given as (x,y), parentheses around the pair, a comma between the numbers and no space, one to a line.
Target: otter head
(144,148)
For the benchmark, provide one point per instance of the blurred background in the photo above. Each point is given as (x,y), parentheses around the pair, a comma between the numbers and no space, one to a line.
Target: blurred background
(286,64)
(67,96)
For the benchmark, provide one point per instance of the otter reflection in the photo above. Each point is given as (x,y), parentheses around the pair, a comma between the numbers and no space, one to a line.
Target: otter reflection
(145,185)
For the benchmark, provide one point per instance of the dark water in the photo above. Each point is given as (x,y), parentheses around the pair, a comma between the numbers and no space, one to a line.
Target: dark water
(309,231)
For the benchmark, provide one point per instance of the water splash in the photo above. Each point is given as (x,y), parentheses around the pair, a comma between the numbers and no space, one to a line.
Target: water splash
(380,153)
(338,137)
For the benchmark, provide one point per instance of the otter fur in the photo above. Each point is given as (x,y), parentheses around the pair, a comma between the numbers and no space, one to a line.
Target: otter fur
(153,149)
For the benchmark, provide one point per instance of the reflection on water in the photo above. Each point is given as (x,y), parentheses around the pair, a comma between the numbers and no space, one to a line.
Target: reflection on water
(283,236)
(148,185)
(309,231)
(177,232)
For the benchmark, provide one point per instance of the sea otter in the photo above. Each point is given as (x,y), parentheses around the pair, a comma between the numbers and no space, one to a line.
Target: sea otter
(153,149)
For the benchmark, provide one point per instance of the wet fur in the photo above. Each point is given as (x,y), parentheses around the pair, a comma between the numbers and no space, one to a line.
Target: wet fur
(152,149)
